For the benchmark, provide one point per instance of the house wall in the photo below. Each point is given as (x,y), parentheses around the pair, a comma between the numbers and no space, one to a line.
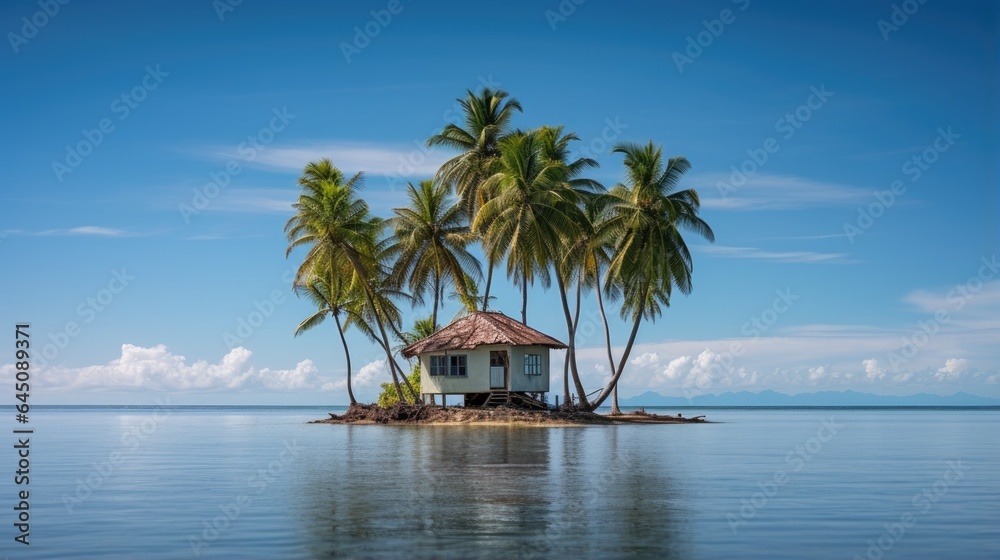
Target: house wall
(478,368)
(528,383)
(477,379)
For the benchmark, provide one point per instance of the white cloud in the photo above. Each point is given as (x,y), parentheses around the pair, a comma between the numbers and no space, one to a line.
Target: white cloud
(707,369)
(729,252)
(646,359)
(263,201)
(404,160)
(368,375)
(773,192)
(872,371)
(368,372)
(973,304)
(303,376)
(816,357)
(93,231)
(953,367)
(158,369)
(817,373)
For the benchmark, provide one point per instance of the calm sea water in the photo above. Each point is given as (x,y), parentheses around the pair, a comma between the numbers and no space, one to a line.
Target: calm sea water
(261,483)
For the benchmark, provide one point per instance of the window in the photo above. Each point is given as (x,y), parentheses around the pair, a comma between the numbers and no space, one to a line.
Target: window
(457,365)
(532,364)
(439,365)
(448,365)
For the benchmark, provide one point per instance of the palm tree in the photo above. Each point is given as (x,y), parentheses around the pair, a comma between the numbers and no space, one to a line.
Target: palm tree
(422,328)
(332,295)
(554,149)
(430,244)
(375,313)
(336,225)
(650,257)
(487,121)
(530,210)
(583,261)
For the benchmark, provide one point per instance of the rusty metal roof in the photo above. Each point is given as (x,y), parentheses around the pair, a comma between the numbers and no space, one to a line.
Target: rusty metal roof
(477,329)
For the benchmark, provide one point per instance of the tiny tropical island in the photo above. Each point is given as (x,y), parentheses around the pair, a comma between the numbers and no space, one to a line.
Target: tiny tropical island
(518,198)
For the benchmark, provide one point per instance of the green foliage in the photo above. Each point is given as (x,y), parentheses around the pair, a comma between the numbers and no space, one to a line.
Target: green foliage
(388,396)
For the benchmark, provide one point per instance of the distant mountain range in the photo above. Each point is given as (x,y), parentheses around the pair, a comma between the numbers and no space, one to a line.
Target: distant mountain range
(823,398)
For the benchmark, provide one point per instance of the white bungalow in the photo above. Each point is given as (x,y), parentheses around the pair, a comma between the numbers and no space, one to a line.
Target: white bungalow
(489,358)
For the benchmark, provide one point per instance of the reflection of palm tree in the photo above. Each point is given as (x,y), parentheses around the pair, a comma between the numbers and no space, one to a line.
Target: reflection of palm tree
(430,248)
(487,121)
(650,256)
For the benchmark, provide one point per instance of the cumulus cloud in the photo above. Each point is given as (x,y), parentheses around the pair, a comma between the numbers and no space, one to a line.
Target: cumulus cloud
(872,371)
(646,359)
(159,369)
(363,377)
(952,368)
(366,375)
(707,369)
(811,360)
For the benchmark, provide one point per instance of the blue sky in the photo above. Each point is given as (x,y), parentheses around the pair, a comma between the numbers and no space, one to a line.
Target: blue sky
(815,281)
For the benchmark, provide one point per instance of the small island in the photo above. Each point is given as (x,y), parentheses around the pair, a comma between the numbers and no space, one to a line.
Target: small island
(421,414)
(500,367)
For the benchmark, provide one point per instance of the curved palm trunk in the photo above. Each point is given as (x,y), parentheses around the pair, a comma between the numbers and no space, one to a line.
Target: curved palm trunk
(406,381)
(347,354)
(388,348)
(566,394)
(385,345)
(621,366)
(604,322)
(571,350)
(397,372)
(576,325)
(607,340)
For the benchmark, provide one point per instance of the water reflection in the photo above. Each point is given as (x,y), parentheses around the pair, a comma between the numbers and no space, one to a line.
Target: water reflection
(488,492)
